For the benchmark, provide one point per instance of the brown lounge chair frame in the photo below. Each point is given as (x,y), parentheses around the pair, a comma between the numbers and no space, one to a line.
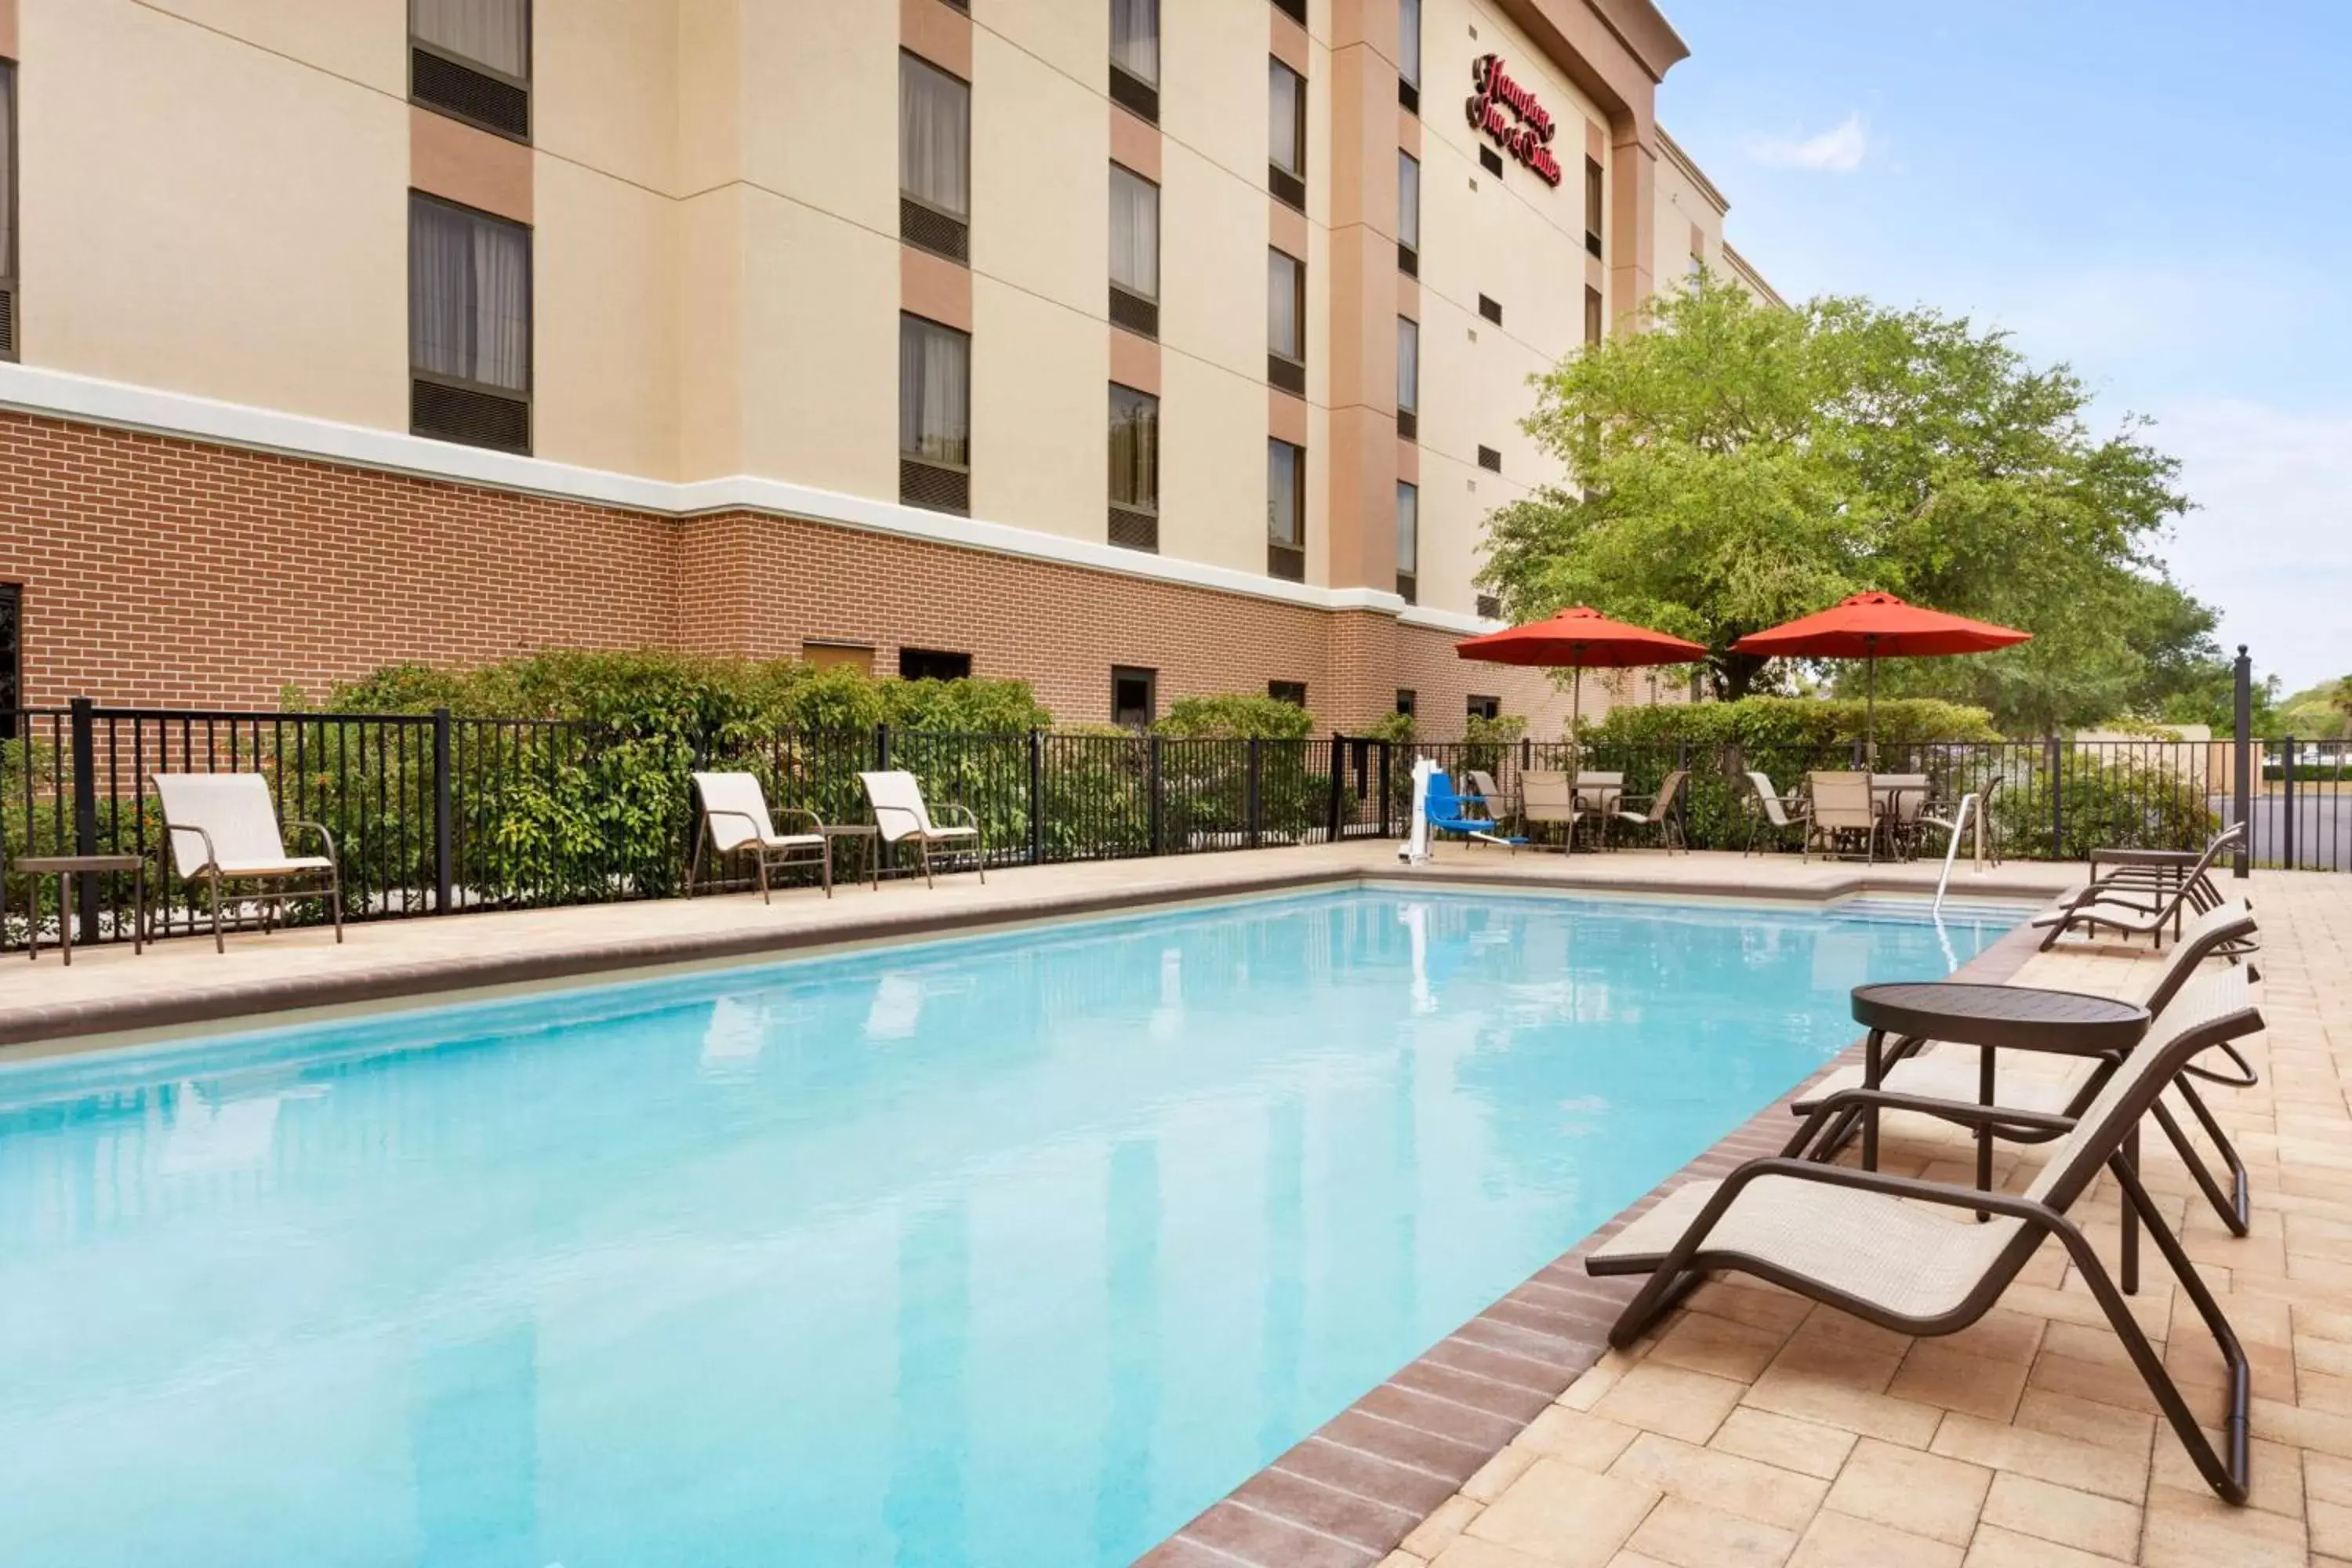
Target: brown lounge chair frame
(2140,893)
(1676,1271)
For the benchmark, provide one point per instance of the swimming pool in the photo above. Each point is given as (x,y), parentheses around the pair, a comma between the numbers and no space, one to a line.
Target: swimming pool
(1013,1250)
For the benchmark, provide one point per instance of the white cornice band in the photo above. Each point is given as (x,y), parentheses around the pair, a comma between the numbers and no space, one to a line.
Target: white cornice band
(60,395)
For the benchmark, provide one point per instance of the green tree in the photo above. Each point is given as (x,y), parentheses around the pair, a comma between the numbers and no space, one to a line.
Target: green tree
(1742,465)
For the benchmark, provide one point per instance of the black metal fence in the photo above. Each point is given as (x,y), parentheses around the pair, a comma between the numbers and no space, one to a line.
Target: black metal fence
(431,814)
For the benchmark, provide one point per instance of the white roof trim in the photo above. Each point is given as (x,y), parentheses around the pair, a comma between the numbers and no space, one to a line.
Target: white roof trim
(62,394)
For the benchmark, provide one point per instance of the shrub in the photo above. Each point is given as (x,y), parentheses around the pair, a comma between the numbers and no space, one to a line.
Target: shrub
(1776,723)
(1235,717)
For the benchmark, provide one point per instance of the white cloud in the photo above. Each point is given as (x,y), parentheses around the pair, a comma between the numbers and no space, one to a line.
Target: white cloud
(1837,151)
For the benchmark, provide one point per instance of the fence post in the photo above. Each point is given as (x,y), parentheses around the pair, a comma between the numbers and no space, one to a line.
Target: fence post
(1254,814)
(2286,799)
(1151,772)
(881,748)
(2055,760)
(1388,749)
(1037,797)
(85,801)
(2243,763)
(444,851)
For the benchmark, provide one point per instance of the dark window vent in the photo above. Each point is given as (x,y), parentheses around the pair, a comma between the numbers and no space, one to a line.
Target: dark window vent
(470,415)
(475,97)
(1286,561)
(1490,460)
(1491,160)
(1134,312)
(933,487)
(1408,95)
(1287,374)
(8,320)
(1591,242)
(1490,608)
(1491,309)
(934,231)
(1408,260)
(1287,187)
(1134,529)
(1294,9)
(1408,424)
(1408,586)
(1135,95)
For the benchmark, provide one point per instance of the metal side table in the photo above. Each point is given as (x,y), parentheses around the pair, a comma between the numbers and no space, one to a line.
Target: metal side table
(65,868)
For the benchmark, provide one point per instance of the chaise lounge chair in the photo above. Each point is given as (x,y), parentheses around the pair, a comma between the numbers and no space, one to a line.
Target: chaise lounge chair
(2136,904)
(1924,1072)
(900,813)
(1874,1246)
(735,819)
(221,828)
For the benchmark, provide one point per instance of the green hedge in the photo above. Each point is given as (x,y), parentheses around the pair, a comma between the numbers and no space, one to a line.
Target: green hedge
(1779,723)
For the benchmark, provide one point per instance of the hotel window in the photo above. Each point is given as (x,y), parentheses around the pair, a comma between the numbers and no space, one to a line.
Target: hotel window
(8,209)
(1593,322)
(934,159)
(931,664)
(1408,215)
(1483,707)
(1409,54)
(1286,323)
(1286,171)
(1291,691)
(12,657)
(1592,206)
(1134,469)
(1408,378)
(468,326)
(934,417)
(1285,511)
(1134,696)
(1134,252)
(470,59)
(1406,700)
(1135,58)
(1408,542)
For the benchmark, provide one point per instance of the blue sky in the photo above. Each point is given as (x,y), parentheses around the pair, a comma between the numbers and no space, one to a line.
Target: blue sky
(2155,192)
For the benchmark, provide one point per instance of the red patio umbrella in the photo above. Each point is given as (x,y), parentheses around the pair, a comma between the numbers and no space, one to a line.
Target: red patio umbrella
(1871,627)
(1580,639)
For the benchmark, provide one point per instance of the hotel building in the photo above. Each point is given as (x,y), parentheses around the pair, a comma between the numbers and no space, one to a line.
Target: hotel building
(1137,348)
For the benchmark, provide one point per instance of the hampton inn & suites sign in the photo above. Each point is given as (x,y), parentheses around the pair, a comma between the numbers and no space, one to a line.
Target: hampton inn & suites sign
(1511,117)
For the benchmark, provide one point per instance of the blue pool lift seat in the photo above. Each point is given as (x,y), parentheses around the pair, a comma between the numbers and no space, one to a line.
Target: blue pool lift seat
(1466,816)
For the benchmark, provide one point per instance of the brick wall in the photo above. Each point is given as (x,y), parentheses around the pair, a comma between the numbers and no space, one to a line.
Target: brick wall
(164,571)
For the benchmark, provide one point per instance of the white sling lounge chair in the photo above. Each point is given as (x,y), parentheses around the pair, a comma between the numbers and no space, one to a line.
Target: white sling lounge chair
(899,814)
(735,817)
(1874,1245)
(221,827)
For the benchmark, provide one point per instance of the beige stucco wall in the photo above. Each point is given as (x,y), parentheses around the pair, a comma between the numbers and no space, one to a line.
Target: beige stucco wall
(605,284)
(1680,206)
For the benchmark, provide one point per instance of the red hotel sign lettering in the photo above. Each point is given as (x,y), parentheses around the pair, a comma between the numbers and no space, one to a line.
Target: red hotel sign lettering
(1525,131)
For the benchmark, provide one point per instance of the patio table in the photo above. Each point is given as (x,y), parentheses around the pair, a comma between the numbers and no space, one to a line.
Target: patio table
(65,868)
(872,837)
(1996,1018)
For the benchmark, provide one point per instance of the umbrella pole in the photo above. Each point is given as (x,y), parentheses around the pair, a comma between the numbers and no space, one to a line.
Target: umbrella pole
(1575,751)
(1870,714)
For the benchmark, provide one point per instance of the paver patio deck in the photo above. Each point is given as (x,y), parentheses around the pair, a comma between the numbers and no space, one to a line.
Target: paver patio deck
(1755,1427)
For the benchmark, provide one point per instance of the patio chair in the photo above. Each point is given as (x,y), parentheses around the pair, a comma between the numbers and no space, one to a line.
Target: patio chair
(1899,798)
(1872,1245)
(1769,811)
(1662,811)
(1599,793)
(1466,816)
(1945,816)
(222,828)
(899,814)
(1838,814)
(1547,801)
(2133,905)
(1924,1072)
(735,819)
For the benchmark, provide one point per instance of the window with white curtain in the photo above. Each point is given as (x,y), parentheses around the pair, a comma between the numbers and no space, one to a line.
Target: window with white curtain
(469,295)
(492,32)
(1286,305)
(1287,126)
(934,392)
(1408,201)
(934,137)
(1286,495)
(1135,38)
(1408,365)
(1407,524)
(1134,233)
(1409,42)
(1134,449)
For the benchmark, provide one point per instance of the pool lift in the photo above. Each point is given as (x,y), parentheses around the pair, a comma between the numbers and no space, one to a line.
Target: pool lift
(1415,847)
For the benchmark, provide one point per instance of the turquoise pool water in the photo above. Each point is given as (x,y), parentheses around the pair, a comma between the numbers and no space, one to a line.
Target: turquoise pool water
(1009,1251)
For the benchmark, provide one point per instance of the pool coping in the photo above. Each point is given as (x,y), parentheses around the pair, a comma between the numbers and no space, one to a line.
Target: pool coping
(92,1024)
(1349,1493)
